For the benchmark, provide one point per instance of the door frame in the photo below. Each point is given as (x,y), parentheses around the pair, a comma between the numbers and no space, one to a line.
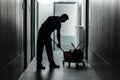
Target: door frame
(25,33)
(32,29)
(87,28)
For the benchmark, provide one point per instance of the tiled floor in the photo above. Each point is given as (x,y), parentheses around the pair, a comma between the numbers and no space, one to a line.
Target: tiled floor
(63,73)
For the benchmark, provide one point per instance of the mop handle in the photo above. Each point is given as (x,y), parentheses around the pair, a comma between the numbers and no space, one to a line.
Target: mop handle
(56,44)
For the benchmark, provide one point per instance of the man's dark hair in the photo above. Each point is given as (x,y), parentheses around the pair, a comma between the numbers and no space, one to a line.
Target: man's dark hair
(65,15)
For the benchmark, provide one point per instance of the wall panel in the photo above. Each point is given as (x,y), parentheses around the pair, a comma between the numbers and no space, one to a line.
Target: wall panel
(28,31)
(104,35)
(11,39)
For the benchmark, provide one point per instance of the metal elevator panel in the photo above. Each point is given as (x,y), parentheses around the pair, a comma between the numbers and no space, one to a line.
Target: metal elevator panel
(104,36)
(11,39)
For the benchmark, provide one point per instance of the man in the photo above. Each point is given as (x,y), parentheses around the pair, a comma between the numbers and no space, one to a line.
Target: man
(51,24)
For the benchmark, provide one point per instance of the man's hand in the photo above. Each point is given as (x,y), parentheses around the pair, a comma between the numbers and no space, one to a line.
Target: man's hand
(58,45)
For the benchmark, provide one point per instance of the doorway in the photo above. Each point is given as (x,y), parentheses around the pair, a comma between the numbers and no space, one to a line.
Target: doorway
(30,29)
(67,28)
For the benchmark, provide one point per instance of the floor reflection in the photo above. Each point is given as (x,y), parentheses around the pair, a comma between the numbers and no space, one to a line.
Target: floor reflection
(49,75)
(63,73)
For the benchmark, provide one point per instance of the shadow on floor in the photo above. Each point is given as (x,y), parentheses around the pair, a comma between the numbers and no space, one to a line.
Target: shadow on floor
(49,75)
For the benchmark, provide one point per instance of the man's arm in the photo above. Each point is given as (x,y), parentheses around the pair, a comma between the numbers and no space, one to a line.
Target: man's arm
(58,38)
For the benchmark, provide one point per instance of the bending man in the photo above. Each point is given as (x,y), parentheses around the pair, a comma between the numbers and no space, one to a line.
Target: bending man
(44,39)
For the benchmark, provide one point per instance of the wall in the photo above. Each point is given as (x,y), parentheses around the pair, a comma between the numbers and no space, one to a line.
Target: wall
(11,39)
(104,39)
(83,8)
(45,10)
(28,31)
(117,36)
(36,22)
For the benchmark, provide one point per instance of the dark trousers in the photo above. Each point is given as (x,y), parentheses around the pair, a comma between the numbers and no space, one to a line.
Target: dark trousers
(44,41)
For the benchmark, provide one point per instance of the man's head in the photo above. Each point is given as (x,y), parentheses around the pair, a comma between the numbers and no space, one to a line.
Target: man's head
(63,17)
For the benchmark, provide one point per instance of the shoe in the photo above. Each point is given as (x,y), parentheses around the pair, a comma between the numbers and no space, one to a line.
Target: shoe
(54,66)
(40,67)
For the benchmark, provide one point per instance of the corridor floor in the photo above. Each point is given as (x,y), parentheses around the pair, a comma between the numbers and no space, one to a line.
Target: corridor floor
(63,73)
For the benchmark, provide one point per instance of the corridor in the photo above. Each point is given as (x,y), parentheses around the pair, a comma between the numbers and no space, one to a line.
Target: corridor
(64,73)
(95,22)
